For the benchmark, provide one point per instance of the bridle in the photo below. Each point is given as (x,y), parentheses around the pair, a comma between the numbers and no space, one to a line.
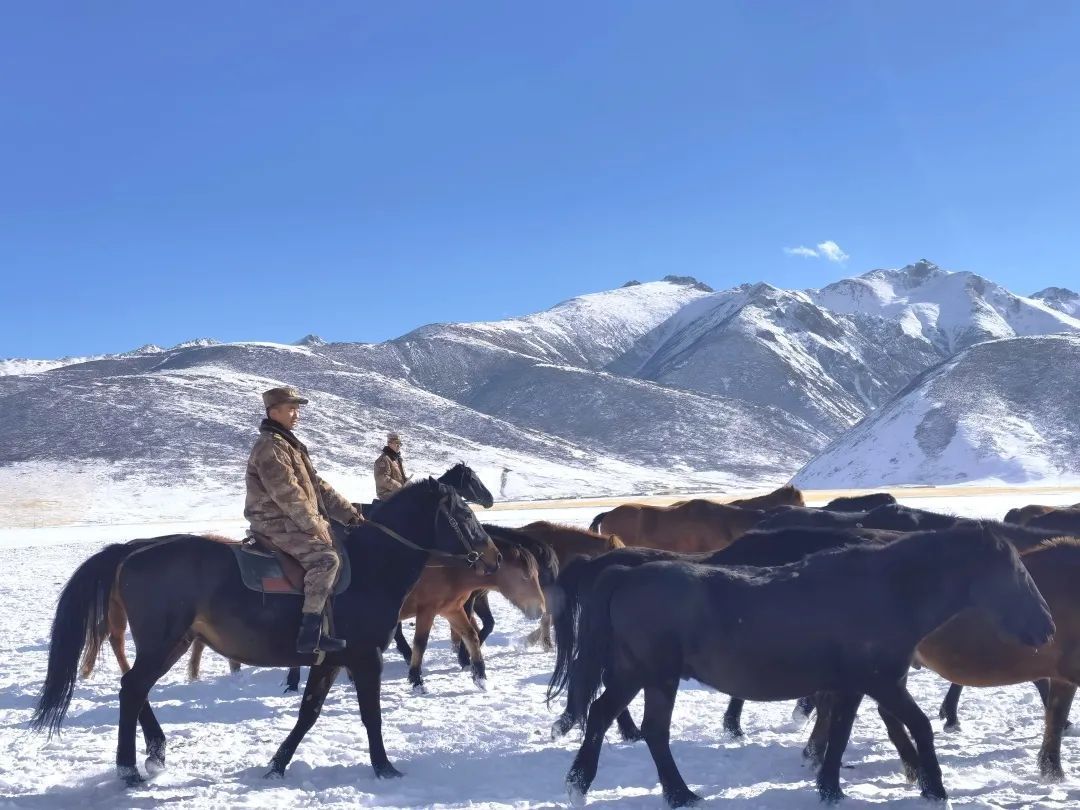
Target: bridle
(470,558)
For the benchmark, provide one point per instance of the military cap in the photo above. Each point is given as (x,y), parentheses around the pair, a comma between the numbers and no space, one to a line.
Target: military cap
(282,396)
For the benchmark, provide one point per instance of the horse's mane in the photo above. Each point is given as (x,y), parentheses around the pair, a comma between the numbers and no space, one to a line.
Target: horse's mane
(1065,543)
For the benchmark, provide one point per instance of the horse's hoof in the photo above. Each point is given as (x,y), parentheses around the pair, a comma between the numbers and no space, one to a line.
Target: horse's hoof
(481,682)
(683,799)
(419,689)
(935,796)
(631,737)
(951,728)
(560,727)
(274,773)
(735,732)
(129,774)
(575,792)
(387,771)
(830,795)
(154,765)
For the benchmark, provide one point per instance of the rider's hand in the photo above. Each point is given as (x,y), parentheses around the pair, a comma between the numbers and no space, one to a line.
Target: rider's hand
(358,519)
(324,534)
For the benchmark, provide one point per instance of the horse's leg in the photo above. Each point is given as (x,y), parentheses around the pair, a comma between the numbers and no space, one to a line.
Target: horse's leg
(804,707)
(117,617)
(402,644)
(1043,685)
(1058,702)
(947,712)
(153,734)
(612,700)
(135,686)
(814,752)
(656,726)
(733,717)
(420,639)
(897,701)
(292,680)
(319,681)
(455,639)
(470,639)
(845,705)
(195,659)
(483,612)
(234,666)
(909,757)
(367,676)
(545,632)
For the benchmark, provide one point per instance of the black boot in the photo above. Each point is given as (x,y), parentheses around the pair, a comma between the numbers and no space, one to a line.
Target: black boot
(311,639)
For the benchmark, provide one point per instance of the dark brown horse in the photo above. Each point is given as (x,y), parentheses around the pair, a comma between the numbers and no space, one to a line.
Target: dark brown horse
(1065,520)
(185,587)
(860,503)
(845,622)
(690,526)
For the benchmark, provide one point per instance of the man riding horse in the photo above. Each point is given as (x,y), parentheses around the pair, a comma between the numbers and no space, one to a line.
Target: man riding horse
(390,469)
(289,504)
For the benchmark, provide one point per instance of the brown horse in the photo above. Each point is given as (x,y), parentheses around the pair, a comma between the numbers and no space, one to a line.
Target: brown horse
(567,543)
(444,591)
(1065,520)
(1022,515)
(691,526)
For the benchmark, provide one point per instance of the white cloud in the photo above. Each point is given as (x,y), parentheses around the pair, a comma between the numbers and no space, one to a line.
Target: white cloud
(831,251)
(825,250)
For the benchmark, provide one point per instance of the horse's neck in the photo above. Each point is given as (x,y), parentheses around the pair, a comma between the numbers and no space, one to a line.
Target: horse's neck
(382,562)
(933,584)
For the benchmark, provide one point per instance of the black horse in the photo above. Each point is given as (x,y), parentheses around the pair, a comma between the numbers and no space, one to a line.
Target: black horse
(190,587)
(845,622)
(894,517)
(755,548)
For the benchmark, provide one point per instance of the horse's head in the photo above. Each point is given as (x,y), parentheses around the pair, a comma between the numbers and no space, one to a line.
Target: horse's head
(464,479)
(1003,588)
(457,530)
(518,579)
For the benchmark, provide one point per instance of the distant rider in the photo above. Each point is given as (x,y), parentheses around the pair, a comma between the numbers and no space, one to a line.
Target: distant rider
(289,503)
(390,469)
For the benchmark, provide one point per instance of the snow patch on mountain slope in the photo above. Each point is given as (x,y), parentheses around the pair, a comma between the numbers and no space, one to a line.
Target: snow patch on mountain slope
(1002,411)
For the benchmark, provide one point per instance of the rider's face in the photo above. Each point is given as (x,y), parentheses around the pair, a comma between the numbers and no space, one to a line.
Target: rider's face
(286,414)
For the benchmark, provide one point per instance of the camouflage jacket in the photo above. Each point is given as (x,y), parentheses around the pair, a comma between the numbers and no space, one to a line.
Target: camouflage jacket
(284,493)
(389,474)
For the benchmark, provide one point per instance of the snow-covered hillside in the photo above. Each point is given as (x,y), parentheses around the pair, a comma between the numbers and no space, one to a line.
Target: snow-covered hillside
(1061,299)
(1000,411)
(659,386)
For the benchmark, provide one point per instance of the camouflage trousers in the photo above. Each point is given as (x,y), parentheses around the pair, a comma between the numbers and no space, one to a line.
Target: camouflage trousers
(320,563)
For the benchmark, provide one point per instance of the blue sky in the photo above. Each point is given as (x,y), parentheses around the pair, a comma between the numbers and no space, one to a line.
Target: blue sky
(262,170)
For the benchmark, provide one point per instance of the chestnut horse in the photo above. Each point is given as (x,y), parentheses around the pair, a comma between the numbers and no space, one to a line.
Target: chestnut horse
(690,526)
(566,543)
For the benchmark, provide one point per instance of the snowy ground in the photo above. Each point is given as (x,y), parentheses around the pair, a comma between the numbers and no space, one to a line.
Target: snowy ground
(457,746)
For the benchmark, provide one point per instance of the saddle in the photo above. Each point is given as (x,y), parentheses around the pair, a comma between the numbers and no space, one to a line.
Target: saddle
(267,569)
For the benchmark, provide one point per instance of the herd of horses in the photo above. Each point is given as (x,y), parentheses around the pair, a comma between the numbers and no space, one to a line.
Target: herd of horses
(763,599)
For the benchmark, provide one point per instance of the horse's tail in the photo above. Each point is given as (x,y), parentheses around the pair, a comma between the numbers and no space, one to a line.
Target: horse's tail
(594,645)
(81,618)
(563,607)
(94,640)
(596,521)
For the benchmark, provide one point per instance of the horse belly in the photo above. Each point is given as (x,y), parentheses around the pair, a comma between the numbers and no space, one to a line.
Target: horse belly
(754,674)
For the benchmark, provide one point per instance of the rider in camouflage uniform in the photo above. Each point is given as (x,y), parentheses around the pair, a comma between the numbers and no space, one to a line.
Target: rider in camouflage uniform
(291,505)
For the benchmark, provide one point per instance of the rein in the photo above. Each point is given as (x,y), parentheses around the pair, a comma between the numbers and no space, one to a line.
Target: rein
(470,559)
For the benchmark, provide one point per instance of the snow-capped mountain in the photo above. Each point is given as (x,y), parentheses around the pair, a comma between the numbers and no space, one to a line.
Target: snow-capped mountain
(831,356)
(665,385)
(949,310)
(1000,411)
(1061,299)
